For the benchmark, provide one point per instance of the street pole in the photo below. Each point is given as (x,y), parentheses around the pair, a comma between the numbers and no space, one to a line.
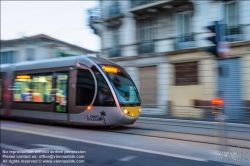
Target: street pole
(220,50)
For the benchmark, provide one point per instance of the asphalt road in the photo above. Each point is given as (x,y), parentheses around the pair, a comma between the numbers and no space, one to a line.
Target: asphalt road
(90,154)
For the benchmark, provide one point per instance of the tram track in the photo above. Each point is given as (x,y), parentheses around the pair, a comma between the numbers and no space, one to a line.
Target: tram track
(236,129)
(209,139)
(194,124)
(166,134)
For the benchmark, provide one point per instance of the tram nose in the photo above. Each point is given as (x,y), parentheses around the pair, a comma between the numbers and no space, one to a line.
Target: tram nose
(132,111)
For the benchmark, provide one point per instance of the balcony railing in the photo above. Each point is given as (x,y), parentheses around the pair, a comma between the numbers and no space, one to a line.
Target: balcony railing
(234,33)
(146,47)
(115,51)
(94,14)
(114,9)
(184,41)
(135,3)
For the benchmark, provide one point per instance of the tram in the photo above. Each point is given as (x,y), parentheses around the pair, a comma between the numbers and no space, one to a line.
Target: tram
(73,90)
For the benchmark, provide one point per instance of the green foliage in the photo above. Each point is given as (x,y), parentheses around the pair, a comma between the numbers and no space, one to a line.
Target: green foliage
(63,54)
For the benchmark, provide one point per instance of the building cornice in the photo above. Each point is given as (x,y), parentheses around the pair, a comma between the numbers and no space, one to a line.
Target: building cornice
(117,16)
(128,58)
(174,52)
(38,38)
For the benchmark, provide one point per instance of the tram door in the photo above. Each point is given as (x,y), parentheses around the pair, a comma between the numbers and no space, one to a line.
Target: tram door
(1,93)
(81,92)
(61,96)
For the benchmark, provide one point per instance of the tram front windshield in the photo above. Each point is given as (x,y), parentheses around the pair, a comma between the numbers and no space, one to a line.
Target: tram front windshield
(123,86)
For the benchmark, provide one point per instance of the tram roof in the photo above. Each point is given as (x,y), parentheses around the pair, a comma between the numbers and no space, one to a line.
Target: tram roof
(53,63)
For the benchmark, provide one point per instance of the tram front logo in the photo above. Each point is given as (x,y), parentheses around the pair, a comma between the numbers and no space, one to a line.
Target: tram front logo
(100,117)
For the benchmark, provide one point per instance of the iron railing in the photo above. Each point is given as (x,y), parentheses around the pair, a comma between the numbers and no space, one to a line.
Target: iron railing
(135,3)
(146,47)
(114,51)
(234,33)
(184,41)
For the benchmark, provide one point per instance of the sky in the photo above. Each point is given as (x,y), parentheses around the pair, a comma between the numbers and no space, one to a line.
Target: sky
(63,20)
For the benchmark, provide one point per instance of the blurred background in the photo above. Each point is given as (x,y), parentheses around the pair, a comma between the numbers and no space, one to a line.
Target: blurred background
(162,44)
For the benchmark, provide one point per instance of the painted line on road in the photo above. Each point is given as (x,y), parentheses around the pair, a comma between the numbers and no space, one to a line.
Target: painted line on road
(104,144)
(43,147)
(128,158)
(4,164)
(11,147)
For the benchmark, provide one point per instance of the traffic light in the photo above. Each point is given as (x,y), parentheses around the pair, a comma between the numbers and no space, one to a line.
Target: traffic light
(217,105)
(218,32)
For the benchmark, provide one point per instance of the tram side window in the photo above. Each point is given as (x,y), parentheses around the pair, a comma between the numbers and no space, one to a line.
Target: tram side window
(85,87)
(61,91)
(32,88)
(1,85)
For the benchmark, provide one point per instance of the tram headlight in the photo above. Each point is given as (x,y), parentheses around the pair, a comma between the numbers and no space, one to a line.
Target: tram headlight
(139,110)
(126,111)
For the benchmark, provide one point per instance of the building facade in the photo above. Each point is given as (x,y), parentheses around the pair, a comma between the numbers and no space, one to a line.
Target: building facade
(37,48)
(161,45)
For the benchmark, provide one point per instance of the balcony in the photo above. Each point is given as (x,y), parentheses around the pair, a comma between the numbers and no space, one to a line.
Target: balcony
(153,6)
(146,47)
(234,33)
(135,3)
(115,51)
(94,14)
(184,41)
(95,20)
(114,10)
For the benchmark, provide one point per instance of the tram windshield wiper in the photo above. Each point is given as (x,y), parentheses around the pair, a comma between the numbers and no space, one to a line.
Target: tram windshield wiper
(130,104)
(124,104)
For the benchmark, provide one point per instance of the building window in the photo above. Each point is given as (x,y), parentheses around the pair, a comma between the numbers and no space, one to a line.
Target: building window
(186,73)
(114,9)
(30,52)
(115,36)
(8,57)
(185,37)
(145,36)
(148,85)
(114,51)
(183,23)
(233,29)
(231,13)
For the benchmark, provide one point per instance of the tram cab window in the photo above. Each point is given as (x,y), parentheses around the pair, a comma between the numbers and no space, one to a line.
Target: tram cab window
(104,96)
(32,88)
(123,85)
(85,88)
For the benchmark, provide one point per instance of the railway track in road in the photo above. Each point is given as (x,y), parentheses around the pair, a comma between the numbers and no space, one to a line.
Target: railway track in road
(233,142)
(193,124)
(174,131)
